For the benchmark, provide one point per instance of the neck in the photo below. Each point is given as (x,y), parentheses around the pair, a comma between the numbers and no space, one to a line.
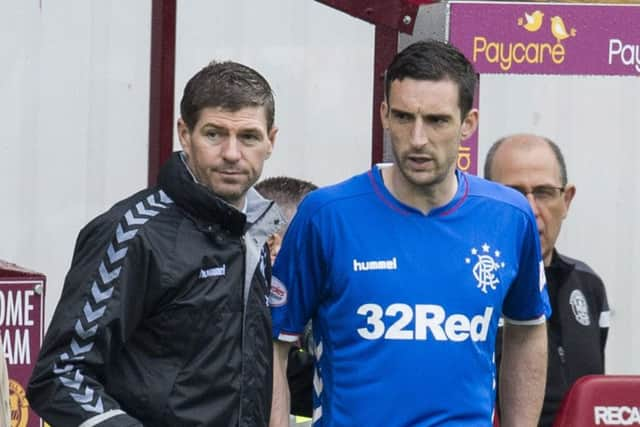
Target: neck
(421,197)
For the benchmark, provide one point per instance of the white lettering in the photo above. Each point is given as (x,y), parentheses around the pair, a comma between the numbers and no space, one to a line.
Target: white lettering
(600,414)
(397,330)
(387,264)
(28,308)
(16,308)
(616,415)
(16,348)
(457,327)
(373,312)
(480,325)
(213,272)
(629,54)
(429,318)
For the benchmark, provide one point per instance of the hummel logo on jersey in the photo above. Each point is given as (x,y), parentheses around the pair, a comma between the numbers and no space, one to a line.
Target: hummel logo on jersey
(213,272)
(385,264)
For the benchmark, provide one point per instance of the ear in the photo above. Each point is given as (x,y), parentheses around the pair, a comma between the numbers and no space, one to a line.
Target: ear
(469,124)
(568,195)
(184,134)
(384,114)
(271,140)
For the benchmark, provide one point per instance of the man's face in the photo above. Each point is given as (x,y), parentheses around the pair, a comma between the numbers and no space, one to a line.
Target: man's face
(425,126)
(226,150)
(532,165)
(275,243)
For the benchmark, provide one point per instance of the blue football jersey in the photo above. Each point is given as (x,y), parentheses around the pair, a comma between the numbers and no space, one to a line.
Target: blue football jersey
(405,306)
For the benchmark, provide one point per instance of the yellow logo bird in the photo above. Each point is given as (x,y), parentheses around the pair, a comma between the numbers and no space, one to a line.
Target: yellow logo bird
(531,22)
(559,30)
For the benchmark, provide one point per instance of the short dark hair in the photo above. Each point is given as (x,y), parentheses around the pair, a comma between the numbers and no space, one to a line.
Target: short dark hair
(435,60)
(284,190)
(557,153)
(228,85)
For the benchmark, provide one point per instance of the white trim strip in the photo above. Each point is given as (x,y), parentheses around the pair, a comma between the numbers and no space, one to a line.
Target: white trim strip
(102,417)
(605,319)
(540,320)
(287,337)
(317,414)
(317,383)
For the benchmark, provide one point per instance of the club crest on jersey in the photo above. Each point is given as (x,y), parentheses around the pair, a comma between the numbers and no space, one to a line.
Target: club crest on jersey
(579,307)
(486,264)
(278,294)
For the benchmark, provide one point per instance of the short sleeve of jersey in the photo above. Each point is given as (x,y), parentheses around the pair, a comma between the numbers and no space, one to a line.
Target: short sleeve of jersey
(298,275)
(527,301)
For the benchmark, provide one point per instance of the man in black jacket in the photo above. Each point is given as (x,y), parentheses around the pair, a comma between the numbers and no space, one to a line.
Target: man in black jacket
(163,318)
(579,323)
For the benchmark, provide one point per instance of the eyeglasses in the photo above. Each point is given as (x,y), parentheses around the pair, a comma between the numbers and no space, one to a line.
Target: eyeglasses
(542,193)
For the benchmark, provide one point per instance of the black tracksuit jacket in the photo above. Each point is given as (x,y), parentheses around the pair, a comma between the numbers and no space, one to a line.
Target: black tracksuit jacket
(577,330)
(163,318)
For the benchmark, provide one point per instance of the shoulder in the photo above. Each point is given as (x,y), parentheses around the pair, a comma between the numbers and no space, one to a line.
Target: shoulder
(128,216)
(496,194)
(587,274)
(336,196)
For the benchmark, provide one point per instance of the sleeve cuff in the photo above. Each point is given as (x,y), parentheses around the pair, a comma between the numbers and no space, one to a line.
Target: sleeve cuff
(531,322)
(288,337)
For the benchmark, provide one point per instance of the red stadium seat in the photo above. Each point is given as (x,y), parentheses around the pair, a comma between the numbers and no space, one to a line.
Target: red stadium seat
(601,400)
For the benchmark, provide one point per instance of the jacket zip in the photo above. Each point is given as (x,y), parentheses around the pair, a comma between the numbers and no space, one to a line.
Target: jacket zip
(245,301)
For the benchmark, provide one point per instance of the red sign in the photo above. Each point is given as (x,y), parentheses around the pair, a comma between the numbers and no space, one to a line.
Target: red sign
(21,330)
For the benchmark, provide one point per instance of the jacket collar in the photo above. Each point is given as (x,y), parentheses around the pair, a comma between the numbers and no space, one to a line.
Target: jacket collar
(559,269)
(198,201)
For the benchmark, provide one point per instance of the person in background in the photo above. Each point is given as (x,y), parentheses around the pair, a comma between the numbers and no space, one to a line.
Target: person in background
(288,192)
(163,318)
(579,323)
(406,270)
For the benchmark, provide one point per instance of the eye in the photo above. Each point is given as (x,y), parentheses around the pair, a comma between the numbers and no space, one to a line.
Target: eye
(544,193)
(212,134)
(250,138)
(438,120)
(519,190)
(402,117)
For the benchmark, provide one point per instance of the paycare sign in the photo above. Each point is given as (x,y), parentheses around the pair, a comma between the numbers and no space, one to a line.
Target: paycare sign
(537,38)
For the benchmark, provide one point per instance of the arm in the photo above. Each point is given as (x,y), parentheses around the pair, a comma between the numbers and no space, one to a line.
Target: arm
(522,374)
(280,401)
(67,384)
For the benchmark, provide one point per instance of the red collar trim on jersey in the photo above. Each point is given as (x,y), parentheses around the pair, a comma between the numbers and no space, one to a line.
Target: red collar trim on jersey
(381,194)
(398,208)
(462,199)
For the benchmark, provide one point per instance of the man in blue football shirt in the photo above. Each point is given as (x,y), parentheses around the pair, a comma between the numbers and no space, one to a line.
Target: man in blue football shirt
(406,270)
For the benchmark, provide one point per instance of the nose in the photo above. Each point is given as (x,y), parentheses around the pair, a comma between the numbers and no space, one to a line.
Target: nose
(231,150)
(418,134)
(534,204)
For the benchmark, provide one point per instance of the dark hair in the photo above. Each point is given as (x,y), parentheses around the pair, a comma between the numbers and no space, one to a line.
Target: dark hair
(227,85)
(285,191)
(435,60)
(488,163)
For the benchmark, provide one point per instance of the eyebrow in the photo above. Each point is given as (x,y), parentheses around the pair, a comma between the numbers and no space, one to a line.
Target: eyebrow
(430,116)
(251,129)
(398,111)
